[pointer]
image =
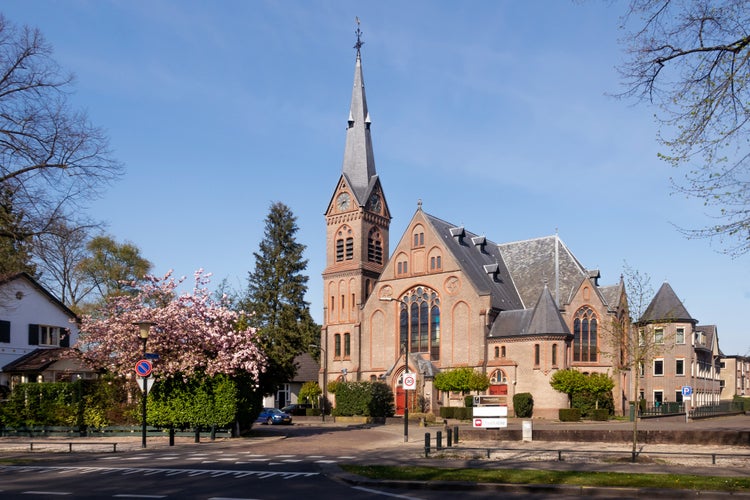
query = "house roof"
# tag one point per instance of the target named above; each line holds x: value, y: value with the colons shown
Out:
x: 37, y: 360
x: 666, y: 307
x: 307, y: 368
x: 481, y: 261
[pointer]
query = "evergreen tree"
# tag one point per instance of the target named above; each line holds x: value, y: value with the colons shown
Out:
x: 15, y: 244
x: 276, y: 298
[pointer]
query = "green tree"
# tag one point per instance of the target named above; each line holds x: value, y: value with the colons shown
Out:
x: 568, y: 381
x: 275, y: 298
x: 15, y: 245
x: 692, y: 61
x: 112, y: 268
x: 463, y: 380
x: 310, y: 392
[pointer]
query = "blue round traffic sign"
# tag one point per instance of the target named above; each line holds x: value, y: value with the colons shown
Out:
x: 143, y: 368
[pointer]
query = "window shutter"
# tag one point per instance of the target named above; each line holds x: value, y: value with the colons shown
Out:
x: 5, y: 331
x: 33, y: 334
x: 64, y: 337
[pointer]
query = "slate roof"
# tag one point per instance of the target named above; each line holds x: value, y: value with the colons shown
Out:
x: 482, y: 262
x: 532, y: 262
x: 666, y: 307
x: 543, y: 319
x: 307, y: 368
x: 359, y: 159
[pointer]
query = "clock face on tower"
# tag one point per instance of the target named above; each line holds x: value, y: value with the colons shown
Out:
x: 375, y: 204
x: 342, y: 201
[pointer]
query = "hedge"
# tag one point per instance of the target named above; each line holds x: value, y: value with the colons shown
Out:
x: 569, y: 414
x: 457, y: 412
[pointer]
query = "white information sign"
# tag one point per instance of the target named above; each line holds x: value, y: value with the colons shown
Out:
x: 490, y: 411
x: 490, y: 422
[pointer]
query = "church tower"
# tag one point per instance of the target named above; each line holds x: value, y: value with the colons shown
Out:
x: 357, y: 221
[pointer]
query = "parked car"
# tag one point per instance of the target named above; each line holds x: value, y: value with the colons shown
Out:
x: 296, y: 408
x: 274, y: 416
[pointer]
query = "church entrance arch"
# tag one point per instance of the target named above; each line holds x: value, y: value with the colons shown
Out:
x: 499, y: 383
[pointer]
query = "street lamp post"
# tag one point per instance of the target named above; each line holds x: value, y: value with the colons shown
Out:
x: 325, y: 381
x: 406, y: 370
x: 143, y: 331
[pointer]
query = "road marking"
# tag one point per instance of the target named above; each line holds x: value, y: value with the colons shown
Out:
x: 54, y: 493
x: 383, y: 493
x: 128, y: 471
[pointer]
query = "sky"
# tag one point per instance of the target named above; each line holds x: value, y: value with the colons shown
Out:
x: 497, y: 115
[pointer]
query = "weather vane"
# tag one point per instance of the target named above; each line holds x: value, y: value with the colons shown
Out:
x: 358, y: 32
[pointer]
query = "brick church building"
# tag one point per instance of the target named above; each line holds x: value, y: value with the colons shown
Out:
x: 515, y: 311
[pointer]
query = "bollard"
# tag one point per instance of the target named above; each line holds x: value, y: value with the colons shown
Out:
x: 213, y: 432
x: 197, y: 434
x: 449, y: 437
x: 455, y: 434
x: 171, y: 436
x: 426, y: 444
x: 439, y: 440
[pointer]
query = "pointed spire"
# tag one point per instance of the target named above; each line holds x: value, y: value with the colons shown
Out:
x: 666, y: 307
x: 359, y: 161
x: 546, y: 318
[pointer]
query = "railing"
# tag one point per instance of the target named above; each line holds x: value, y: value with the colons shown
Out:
x: 723, y: 408
x: 560, y: 454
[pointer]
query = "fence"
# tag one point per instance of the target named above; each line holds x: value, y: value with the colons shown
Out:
x: 559, y: 455
x: 671, y: 409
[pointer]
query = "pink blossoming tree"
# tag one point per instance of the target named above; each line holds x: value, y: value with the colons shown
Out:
x: 192, y: 332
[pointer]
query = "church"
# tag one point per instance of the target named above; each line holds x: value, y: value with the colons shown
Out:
x: 445, y: 297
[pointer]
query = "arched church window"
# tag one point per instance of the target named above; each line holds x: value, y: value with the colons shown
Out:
x: 344, y: 244
x: 419, y: 321
x: 498, y: 377
x: 375, y: 246
x: 585, y: 335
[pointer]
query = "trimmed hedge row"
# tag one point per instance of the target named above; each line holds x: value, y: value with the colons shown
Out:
x: 456, y: 412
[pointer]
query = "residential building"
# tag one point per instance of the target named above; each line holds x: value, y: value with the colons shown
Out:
x: 682, y: 353
x: 735, y: 376
x: 36, y: 331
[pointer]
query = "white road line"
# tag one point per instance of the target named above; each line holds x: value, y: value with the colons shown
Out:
x: 383, y: 493
x: 55, y: 493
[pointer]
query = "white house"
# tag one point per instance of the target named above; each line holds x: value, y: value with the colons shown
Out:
x: 34, y: 322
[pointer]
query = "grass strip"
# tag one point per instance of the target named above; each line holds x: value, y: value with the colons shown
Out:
x: 512, y: 476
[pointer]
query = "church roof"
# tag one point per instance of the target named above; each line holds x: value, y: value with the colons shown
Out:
x: 532, y: 262
x: 666, y: 307
x: 543, y: 319
x: 481, y: 261
x: 359, y: 160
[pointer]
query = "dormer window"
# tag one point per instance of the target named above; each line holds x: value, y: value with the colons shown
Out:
x: 479, y: 242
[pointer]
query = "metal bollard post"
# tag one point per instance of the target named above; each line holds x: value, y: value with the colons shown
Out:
x: 449, y: 437
x: 426, y: 444
x: 439, y: 439
x: 171, y: 436
x: 213, y: 432
x: 455, y: 434
x: 197, y: 434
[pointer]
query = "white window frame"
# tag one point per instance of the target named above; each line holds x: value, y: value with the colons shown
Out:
x: 680, y: 330
x: 661, y: 360
x: 659, y: 336
x: 49, y: 335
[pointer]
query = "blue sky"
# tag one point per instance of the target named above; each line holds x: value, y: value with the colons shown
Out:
x: 496, y: 114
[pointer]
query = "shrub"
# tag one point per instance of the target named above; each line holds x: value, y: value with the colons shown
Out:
x: 456, y: 412
x: 600, y: 415
x: 310, y: 392
x: 468, y: 401
x: 587, y: 402
x: 523, y: 403
x: 369, y: 399
x: 569, y: 414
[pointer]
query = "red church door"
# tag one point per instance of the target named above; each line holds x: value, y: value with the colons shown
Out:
x: 499, y: 389
x: 400, y: 400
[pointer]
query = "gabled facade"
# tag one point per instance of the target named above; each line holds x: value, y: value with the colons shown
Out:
x: 684, y: 354
x: 31, y: 320
x: 515, y: 311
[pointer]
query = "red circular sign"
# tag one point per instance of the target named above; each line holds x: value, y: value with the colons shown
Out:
x: 143, y: 368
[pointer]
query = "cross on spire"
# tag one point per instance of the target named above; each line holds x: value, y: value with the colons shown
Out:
x: 358, y: 32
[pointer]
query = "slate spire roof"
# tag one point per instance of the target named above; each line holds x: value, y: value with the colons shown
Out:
x: 359, y: 160
x: 665, y: 306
